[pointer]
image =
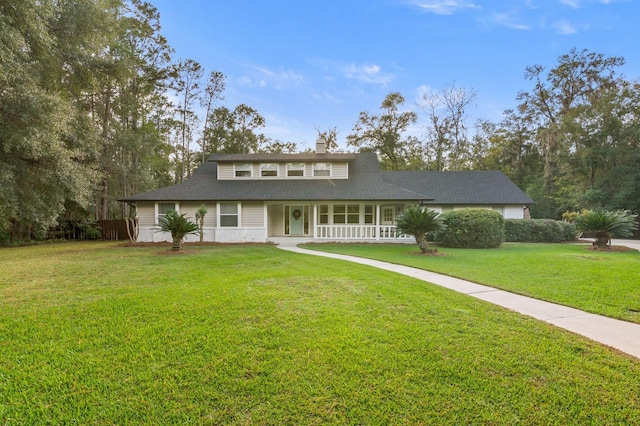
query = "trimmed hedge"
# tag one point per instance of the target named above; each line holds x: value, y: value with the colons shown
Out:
x: 538, y: 231
x: 472, y: 228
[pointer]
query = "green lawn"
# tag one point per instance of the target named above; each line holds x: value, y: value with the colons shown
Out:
x: 94, y: 333
x: 605, y: 283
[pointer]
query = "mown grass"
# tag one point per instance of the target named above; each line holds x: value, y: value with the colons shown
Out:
x: 94, y: 333
x: 605, y: 283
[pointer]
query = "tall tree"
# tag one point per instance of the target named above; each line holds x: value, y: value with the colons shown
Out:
x: 188, y: 74
x: 235, y: 131
x: 579, y: 79
x: 448, y: 140
x: 212, y: 92
x: 46, y: 161
x: 330, y: 136
x: 383, y: 132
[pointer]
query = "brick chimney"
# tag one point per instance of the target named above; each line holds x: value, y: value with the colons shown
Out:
x: 321, y: 146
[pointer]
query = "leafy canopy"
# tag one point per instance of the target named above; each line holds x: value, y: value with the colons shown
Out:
x: 178, y: 225
x: 607, y: 224
x: 417, y: 221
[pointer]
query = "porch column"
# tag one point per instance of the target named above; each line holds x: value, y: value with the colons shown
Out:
x: 266, y: 220
x: 377, y: 221
x: 315, y: 215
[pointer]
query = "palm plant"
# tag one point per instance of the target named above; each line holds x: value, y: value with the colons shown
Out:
x: 200, y: 214
x: 179, y: 227
x: 606, y: 225
x: 417, y: 221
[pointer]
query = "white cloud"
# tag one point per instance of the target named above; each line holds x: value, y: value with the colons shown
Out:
x: 372, y: 74
x: 443, y: 7
x: 251, y: 82
x: 574, y: 4
x: 263, y: 77
x: 510, y: 21
x: 564, y: 27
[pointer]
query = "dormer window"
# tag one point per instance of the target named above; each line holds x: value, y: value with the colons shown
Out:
x: 322, y: 169
x: 269, y: 169
x: 295, y: 169
x: 242, y: 169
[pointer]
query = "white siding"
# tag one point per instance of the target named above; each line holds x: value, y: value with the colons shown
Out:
x: 340, y: 170
x: 146, y: 213
x: 252, y: 215
x: 225, y: 171
x: 513, y: 212
x: 190, y: 209
x: 275, y: 225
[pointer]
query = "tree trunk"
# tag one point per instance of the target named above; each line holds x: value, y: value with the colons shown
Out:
x: 177, y: 244
x: 421, y: 239
x: 602, y: 240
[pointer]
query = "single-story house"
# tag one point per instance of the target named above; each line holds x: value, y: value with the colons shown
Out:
x: 319, y: 195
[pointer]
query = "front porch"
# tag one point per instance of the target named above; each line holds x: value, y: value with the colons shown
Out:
x: 349, y: 221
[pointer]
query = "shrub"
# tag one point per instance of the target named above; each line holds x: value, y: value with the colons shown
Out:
x: 418, y: 221
x: 91, y: 229
x: 472, y: 228
x: 538, y: 231
x: 607, y: 225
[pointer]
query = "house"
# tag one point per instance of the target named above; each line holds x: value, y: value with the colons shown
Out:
x: 320, y: 196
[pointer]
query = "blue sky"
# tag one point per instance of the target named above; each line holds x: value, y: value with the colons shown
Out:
x: 304, y: 64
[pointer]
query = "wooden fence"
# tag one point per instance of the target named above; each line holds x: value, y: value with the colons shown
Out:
x: 106, y: 230
x: 113, y: 230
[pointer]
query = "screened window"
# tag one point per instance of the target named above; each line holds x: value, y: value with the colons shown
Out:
x: 339, y: 213
x: 295, y: 169
x: 229, y: 214
x: 388, y: 215
x: 322, y: 169
x: 353, y: 213
x: 369, y: 214
x: 242, y: 169
x: 323, y: 214
x: 268, y: 169
x: 163, y: 208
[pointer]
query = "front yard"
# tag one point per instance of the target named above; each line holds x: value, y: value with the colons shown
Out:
x: 600, y: 282
x: 96, y: 333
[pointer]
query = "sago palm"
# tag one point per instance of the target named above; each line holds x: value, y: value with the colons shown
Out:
x: 179, y: 227
x: 417, y: 221
x: 607, y: 224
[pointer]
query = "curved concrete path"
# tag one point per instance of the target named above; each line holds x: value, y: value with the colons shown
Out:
x: 621, y: 335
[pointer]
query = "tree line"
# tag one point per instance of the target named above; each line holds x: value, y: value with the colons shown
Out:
x: 95, y: 107
x: 571, y: 142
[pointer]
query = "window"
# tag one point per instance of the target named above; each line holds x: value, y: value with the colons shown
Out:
x: 268, y: 169
x: 242, y: 169
x: 323, y: 214
x: 369, y: 214
x: 339, y: 215
x: 163, y: 208
x: 346, y: 213
x: 229, y: 214
x: 322, y: 169
x: 295, y: 169
x: 353, y: 213
x: 388, y: 215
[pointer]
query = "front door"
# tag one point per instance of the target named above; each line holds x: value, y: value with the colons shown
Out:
x: 296, y: 220
x: 388, y: 216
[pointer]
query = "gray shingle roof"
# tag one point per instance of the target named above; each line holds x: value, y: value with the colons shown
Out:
x: 463, y: 187
x: 366, y: 183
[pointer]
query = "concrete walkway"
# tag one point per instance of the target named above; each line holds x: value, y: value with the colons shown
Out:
x: 621, y: 335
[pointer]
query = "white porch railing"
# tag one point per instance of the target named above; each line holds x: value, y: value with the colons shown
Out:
x: 359, y: 232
